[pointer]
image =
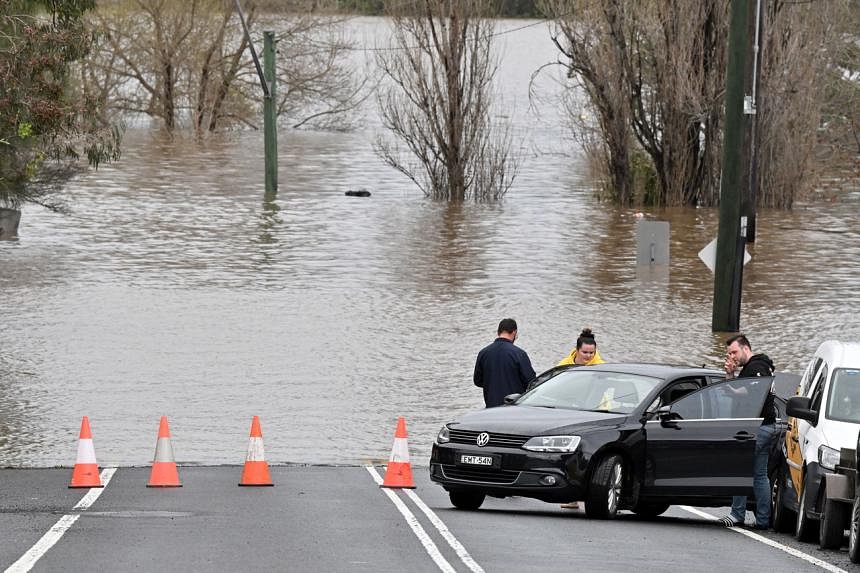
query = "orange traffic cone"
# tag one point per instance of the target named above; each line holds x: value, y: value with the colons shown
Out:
x: 86, y: 472
x: 164, y: 473
x: 256, y: 470
x: 399, y: 471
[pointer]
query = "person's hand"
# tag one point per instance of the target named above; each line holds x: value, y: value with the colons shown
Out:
x: 730, y: 367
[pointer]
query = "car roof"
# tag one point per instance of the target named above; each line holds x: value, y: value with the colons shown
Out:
x: 655, y: 369
x: 839, y: 354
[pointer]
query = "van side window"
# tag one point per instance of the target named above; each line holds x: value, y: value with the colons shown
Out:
x: 809, y: 376
x: 818, y: 390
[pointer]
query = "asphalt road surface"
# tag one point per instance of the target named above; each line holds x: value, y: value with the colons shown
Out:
x: 338, y: 519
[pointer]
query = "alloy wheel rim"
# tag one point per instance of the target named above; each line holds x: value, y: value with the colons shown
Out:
x: 615, y: 487
x: 801, y: 510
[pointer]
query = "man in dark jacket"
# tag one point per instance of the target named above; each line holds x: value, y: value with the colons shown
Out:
x: 501, y: 367
x: 739, y: 355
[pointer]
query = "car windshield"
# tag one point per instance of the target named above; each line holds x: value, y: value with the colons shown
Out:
x: 843, y: 404
x: 587, y: 389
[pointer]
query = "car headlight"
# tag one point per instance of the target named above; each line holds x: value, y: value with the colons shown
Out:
x: 443, y: 437
x: 828, y: 458
x: 552, y: 444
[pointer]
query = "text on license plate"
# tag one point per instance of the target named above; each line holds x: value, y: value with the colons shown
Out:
x: 477, y: 460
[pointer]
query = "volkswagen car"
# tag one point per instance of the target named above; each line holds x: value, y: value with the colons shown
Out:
x: 616, y: 436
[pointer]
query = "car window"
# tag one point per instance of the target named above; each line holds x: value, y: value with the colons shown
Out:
x: 809, y: 376
x: 588, y: 389
x: 843, y: 400
x: 818, y: 387
x: 740, y: 398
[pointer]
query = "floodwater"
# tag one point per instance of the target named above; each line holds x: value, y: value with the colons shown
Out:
x: 175, y: 289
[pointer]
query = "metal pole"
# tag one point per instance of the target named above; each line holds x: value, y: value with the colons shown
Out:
x: 750, y: 200
x: 730, y: 242
x: 270, y: 123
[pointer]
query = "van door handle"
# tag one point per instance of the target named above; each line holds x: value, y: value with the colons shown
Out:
x: 744, y: 436
x: 795, y: 440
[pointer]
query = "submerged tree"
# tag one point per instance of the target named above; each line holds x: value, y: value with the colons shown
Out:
x: 45, y: 124
x: 436, y: 101
x: 186, y: 63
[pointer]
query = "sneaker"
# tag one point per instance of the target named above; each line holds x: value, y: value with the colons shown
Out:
x: 571, y: 505
x: 728, y: 521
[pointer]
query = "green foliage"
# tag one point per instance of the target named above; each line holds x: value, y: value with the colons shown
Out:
x: 45, y: 123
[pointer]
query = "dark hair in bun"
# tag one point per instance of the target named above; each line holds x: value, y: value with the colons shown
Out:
x: 586, y: 337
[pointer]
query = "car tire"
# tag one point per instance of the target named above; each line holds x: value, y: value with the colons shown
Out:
x: 804, y: 529
x: 466, y: 499
x: 854, y: 534
x: 831, y: 526
x: 781, y: 517
x: 650, y: 510
x: 604, y: 491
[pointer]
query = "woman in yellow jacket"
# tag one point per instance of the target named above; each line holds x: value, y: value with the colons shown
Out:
x: 585, y: 353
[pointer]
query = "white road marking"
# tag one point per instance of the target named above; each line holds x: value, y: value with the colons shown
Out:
x: 446, y: 533
x: 419, y: 532
x: 760, y: 538
x: 29, y: 559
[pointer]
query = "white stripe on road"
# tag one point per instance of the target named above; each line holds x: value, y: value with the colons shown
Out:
x: 419, y: 532
x: 446, y: 533
x: 790, y: 550
x: 29, y: 559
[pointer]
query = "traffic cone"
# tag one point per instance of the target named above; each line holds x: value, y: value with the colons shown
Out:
x: 164, y: 473
x: 256, y: 470
x: 86, y: 472
x: 399, y: 471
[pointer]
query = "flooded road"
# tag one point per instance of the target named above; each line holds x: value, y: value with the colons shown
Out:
x: 173, y: 288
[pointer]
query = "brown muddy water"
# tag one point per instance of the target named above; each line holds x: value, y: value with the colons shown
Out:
x: 173, y: 288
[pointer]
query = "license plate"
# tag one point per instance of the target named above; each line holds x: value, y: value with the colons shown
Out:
x: 477, y: 460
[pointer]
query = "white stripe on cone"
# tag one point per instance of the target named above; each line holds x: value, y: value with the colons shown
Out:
x: 163, y: 450
x: 399, y: 451
x: 86, y: 451
x: 255, y: 451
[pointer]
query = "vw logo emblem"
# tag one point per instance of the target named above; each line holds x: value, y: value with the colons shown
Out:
x: 483, y: 439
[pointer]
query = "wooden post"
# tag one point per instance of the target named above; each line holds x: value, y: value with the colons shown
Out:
x: 730, y: 242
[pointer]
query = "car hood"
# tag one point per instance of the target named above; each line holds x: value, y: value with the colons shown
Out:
x: 532, y: 421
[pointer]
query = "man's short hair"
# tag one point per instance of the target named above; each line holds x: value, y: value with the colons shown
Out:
x: 507, y: 325
x: 740, y: 339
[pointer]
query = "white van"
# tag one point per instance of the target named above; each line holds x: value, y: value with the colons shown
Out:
x: 825, y: 417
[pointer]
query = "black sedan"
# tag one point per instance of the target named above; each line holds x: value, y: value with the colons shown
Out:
x: 616, y: 436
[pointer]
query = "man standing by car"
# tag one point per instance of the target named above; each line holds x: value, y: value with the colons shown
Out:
x: 501, y: 367
x: 739, y: 355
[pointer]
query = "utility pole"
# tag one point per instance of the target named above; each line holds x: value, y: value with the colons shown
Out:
x: 752, y: 73
x: 270, y: 124
x: 728, y: 275
x: 267, y: 83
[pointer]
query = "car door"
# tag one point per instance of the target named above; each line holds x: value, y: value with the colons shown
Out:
x: 704, y: 444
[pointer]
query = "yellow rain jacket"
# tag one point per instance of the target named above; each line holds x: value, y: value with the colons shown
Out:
x: 569, y: 359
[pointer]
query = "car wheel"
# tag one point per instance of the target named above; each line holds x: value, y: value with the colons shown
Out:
x: 831, y: 526
x: 466, y: 499
x: 604, y: 491
x: 781, y: 516
x: 804, y: 529
x: 650, y: 510
x: 854, y: 534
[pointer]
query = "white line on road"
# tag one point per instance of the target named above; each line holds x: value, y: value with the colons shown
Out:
x: 29, y: 559
x: 419, y: 532
x: 790, y: 550
x: 446, y: 533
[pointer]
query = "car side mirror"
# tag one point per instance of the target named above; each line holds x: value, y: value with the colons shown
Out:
x: 801, y: 407
x: 511, y: 398
x: 667, y: 417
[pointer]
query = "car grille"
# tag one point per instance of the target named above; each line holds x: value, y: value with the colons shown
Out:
x: 500, y: 440
x: 482, y: 475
